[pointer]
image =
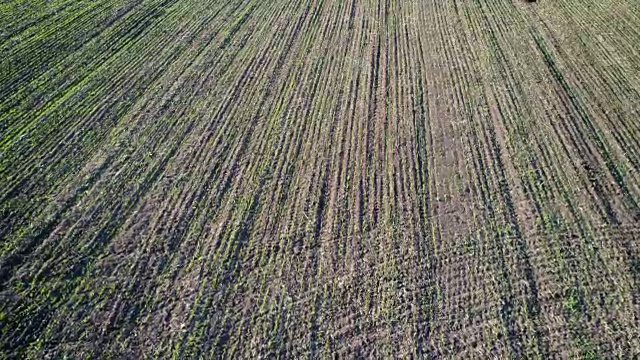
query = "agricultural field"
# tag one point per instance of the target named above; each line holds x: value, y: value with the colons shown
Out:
x: 315, y: 178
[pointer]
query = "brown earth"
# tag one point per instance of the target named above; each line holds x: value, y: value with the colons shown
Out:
x: 251, y: 179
